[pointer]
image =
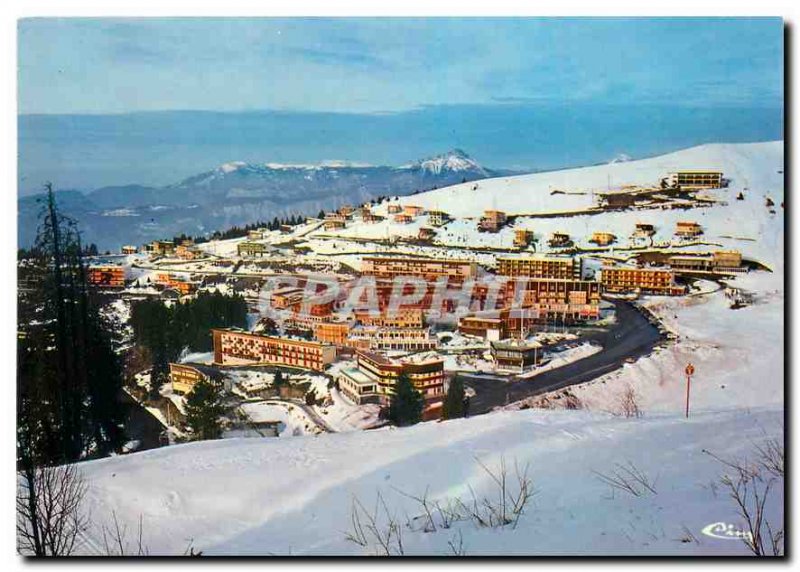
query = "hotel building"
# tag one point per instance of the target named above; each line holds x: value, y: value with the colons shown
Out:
x: 633, y: 279
x: 695, y: 179
x: 232, y: 347
x: 428, y: 268
x: 106, y: 276
x: 567, y: 267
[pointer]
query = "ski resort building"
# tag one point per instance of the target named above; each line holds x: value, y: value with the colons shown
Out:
x: 566, y: 267
x: 428, y: 268
x: 438, y: 218
x: 426, y: 233
x: 516, y: 356
x: 252, y: 249
x: 522, y: 237
x: 377, y: 375
x: 688, y: 229
x: 562, y: 299
x: 559, y: 239
x: 695, y: 179
x: 402, y: 318
x: 234, y: 347
x: 643, y: 230
x: 630, y: 279
x: 160, y: 247
x: 106, y: 276
x: 492, y: 221
x: 413, y: 210
x: 602, y: 238
x: 184, y: 377
x: 394, y: 339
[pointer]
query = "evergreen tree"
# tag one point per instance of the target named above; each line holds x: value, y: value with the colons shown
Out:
x: 204, y: 409
x: 321, y: 214
x: 68, y: 373
x: 277, y: 380
x: 407, y: 403
x: 454, y: 402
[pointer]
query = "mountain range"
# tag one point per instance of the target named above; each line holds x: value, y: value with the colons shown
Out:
x: 238, y: 193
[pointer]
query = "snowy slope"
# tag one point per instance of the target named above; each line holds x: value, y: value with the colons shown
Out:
x: 294, y: 496
x: 751, y: 165
x: 755, y: 169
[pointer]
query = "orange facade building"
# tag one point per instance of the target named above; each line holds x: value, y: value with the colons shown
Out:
x: 232, y: 347
x: 631, y: 279
x: 106, y: 276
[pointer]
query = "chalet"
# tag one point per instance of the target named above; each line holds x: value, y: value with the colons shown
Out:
x: 522, y: 237
x: 438, y: 218
x: 602, y: 238
x: 688, y: 229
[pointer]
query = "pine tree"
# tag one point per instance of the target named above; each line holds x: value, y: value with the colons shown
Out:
x: 68, y: 373
x: 407, y: 403
x: 454, y: 402
x: 203, y: 410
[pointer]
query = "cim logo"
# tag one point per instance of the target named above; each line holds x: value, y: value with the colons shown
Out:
x: 724, y: 531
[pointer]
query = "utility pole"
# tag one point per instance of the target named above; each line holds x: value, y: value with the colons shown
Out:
x: 689, y: 373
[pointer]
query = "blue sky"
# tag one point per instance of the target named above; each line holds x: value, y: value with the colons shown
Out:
x: 386, y: 65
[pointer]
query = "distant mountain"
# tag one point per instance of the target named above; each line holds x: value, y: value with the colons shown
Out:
x: 238, y: 193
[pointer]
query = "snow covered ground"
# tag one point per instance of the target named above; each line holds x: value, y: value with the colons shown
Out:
x: 294, y: 496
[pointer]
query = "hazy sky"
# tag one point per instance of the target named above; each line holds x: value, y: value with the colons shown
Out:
x: 372, y: 65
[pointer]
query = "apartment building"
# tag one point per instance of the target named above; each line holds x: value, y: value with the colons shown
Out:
x: 252, y: 249
x: 184, y: 377
x: 106, y: 276
x: 695, y: 179
x: 394, y: 208
x: 428, y: 268
x: 403, y: 318
x: 425, y: 371
x: 395, y: 339
x: 234, y: 347
x: 541, y: 266
x: 556, y: 300
x: 332, y: 332
x: 633, y: 279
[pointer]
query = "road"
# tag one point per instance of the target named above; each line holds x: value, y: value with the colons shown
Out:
x: 632, y: 336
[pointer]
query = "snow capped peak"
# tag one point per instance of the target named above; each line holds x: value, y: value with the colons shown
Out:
x: 231, y: 167
x: 455, y: 160
x: 621, y: 158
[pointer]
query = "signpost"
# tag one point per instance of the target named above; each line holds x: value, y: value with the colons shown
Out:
x: 689, y: 373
